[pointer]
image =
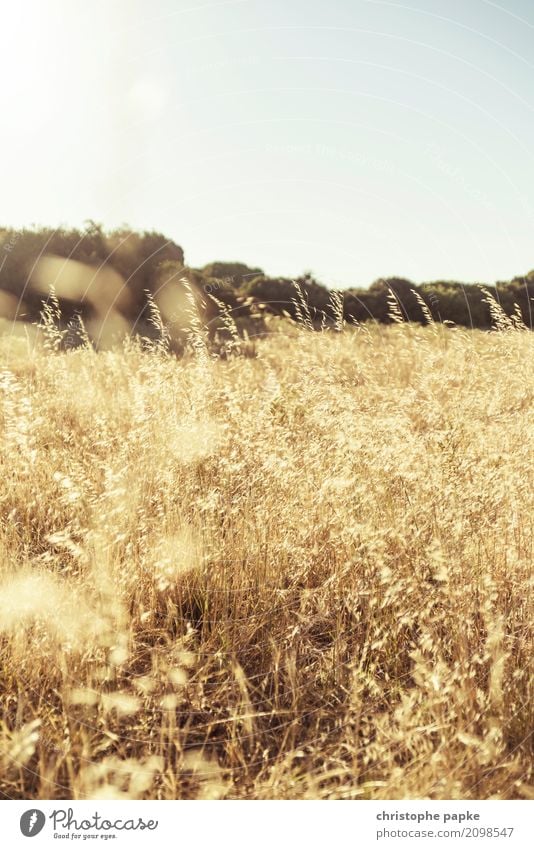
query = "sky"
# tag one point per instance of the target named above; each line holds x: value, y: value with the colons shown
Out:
x: 355, y: 139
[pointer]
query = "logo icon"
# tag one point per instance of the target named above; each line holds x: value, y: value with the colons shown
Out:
x: 32, y: 822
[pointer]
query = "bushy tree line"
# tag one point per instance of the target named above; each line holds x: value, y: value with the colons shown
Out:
x: 463, y: 304
x: 148, y: 262
x: 136, y: 257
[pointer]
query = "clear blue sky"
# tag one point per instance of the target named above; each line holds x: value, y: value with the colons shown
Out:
x: 354, y: 138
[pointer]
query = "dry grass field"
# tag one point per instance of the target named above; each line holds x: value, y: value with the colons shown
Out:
x: 300, y: 574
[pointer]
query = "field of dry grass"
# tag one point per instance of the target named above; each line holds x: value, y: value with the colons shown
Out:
x: 304, y: 574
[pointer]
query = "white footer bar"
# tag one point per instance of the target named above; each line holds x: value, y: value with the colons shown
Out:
x: 267, y: 825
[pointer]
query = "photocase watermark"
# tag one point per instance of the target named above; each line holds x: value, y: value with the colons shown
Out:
x: 455, y: 174
x: 9, y: 245
x: 324, y: 151
x: 66, y: 826
x: 72, y: 335
x: 32, y: 822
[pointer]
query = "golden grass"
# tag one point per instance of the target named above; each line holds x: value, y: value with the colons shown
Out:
x: 300, y: 575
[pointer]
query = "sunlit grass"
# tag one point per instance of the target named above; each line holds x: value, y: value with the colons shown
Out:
x: 305, y: 574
